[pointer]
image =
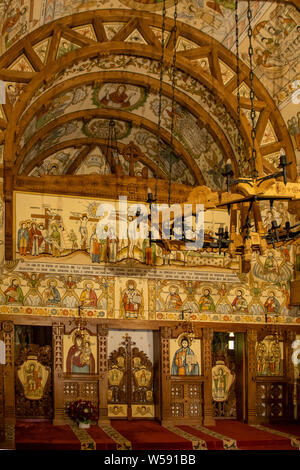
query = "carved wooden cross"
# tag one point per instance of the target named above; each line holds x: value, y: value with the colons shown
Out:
x: 128, y: 343
x: 132, y: 154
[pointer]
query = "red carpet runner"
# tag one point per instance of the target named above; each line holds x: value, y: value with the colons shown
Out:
x: 250, y: 438
x: 44, y: 436
x: 150, y: 435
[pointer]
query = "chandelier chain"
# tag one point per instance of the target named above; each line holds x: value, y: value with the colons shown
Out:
x: 252, y: 93
x: 161, y: 66
x: 173, y: 98
x: 239, y: 137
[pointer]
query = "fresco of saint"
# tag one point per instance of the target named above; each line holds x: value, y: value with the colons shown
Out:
x: 132, y: 300
x: 33, y: 377
x: 14, y: 293
x: 185, y: 362
x: 51, y: 294
x: 88, y: 297
x: 206, y: 301
x: 80, y: 358
x: 23, y: 239
x: 239, y: 304
x: 271, y: 304
x: 173, y: 301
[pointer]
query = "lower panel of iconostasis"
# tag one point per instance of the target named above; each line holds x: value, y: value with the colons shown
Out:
x: 169, y: 374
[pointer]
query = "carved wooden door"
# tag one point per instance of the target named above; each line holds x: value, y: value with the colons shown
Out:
x: 33, y: 381
x: 130, y: 383
x: 228, y: 377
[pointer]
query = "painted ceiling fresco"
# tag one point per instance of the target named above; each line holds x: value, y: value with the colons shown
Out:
x: 275, y: 30
x: 42, y: 146
x: 194, y: 137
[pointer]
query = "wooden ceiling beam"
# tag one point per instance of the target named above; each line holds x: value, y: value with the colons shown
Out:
x: 57, y: 32
x: 103, y: 186
x: 76, y: 38
x: 16, y: 76
x: 31, y: 55
x: 79, y: 159
x: 99, y: 30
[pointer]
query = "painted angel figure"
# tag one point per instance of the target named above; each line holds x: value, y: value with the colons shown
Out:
x: 70, y: 298
x: 33, y: 296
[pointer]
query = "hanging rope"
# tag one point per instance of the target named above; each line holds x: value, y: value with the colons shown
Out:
x: 252, y: 94
x: 163, y: 28
x: 173, y: 99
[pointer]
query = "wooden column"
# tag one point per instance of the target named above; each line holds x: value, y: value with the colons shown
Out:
x: 2, y: 425
x: 8, y: 198
x: 157, y: 376
x: 58, y: 330
x: 102, y: 372
x: 7, y: 329
x: 240, y: 386
x: 289, y: 371
x: 251, y: 376
x: 165, y: 335
x: 207, y: 369
x: 298, y: 397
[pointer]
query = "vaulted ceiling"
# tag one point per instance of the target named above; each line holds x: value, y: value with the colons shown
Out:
x: 68, y: 78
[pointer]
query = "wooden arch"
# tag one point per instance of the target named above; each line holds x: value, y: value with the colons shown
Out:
x: 125, y: 77
x: 43, y: 73
x: 142, y: 22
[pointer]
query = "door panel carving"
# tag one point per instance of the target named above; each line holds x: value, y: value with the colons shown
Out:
x: 186, y: 397
x: 33, y: 381
x: 130, y: 382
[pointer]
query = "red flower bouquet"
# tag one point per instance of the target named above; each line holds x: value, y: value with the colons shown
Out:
x: 82, y: 411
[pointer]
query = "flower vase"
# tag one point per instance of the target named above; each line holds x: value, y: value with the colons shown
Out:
x: 84, y: 425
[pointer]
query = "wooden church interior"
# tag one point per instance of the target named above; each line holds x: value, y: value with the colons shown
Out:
x: 122, y: 117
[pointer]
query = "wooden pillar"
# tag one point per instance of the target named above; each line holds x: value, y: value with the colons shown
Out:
x: 298, y: 397
x: 8, y: 198
x: 157, y: 376
x: 240, y: 386
x: 207, y: 365
x: 103, y: 374
x: 289, y: 371
x: 58, y: 330
x: 2, y: 424
x: 165, y: 335
x: 7, y: 329
x: 251, y: 376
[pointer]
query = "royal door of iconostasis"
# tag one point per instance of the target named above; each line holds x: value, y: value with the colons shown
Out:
x: 33, y: 372
x: 131, y: 376
x: 228, y: 375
